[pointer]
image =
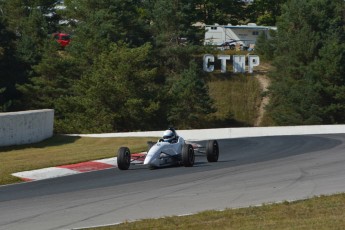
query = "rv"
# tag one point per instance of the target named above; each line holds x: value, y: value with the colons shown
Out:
x: 230, y: 36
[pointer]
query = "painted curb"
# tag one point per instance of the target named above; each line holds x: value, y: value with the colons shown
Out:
x: 66, y: 170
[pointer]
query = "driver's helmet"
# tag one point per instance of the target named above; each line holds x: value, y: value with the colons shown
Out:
x: 168, y: 136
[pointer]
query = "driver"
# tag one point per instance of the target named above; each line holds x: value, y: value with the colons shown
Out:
x: 170, y: 136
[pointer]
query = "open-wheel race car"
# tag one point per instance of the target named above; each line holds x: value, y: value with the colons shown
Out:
x: 171, y: 150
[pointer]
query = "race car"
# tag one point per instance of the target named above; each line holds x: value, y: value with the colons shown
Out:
x: 164, y: 154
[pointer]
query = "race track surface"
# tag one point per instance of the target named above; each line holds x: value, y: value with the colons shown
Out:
x: 250, y: 171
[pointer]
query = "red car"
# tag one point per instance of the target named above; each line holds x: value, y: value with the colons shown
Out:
x: 62, y: 39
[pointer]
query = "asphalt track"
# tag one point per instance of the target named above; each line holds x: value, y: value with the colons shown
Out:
x: 250, y: 171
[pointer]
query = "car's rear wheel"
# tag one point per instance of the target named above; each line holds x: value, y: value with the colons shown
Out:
x: 123, y: 158
x: 212, y: 151
x: 188, y: 155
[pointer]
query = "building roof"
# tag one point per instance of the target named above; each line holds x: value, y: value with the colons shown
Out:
x: 250, y: 26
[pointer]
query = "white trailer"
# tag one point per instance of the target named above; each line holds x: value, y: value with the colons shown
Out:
x: 231, y: 36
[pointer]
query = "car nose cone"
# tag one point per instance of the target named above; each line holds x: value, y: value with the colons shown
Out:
x: 147, y: 159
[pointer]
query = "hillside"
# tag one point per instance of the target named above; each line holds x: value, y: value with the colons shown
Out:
x: 239, y: 98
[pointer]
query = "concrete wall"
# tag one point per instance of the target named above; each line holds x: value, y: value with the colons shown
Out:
x: 225, y: 133
x: 26, y: 127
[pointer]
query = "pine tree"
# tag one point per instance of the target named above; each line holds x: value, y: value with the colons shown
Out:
x: 308, y: 83
x: 118, y: 94
x: 189, y: 99
x: 6, y: 58
x: 265, y: 45
x: 26, y: 21
x: 100, y: 23
x: 265, y: 12
x: 220, y: 11
x: 172, y: 22
x: 52, y: 79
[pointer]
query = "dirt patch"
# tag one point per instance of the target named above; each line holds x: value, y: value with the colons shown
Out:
x: 264, y: 83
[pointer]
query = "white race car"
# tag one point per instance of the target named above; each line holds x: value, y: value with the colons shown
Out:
x: 163, y: 154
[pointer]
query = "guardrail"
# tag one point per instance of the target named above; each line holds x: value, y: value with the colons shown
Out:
x: 225, y: 133
x: 36, y: 125
x: 26, y: 127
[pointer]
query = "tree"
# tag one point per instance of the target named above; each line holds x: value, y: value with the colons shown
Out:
x: 28, y: 20
x: 101, y: 23
x: 33, y: 34
x: 26, y: 23
x: 52, y: 79
x: 189, y: 99
x: 119, y: 91
x: 220, y: 11
x: 308, y: 83
x: 172, y: 21
x: 110, y: 20
x: 265, y: 45
x: 265, y: 12
x: 10, y: 70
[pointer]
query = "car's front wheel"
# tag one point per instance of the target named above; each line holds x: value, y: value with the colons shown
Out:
x: 188, y: 155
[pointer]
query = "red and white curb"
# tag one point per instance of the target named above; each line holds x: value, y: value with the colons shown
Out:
x: 65, y: 170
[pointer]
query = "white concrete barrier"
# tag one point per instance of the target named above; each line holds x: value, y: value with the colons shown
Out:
x: 225, y: 133
x: 26, y: 127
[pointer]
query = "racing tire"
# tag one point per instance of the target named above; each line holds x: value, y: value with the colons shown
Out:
x: 212, y: 151
x: 123, y: 158
x: 188, y: 156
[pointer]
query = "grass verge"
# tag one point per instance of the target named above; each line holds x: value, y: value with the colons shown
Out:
x: 325, y: 212
x: 61, y: 150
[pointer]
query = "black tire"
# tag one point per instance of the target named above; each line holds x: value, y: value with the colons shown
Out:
x: 123, y: 158
x: 188, y: 155
x: 212, y: 151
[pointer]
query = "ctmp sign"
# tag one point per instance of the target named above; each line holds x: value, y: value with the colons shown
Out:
x: 239, y: 63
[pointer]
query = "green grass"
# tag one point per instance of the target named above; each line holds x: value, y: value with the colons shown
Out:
x: 237, y: 99
x: 61, y: 150
x: 326, y: 212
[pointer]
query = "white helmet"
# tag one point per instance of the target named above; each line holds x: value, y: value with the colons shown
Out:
x: 168, y: 135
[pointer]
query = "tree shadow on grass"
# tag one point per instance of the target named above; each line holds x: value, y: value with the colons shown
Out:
x: 55, y: 140
x: 224, y: 122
